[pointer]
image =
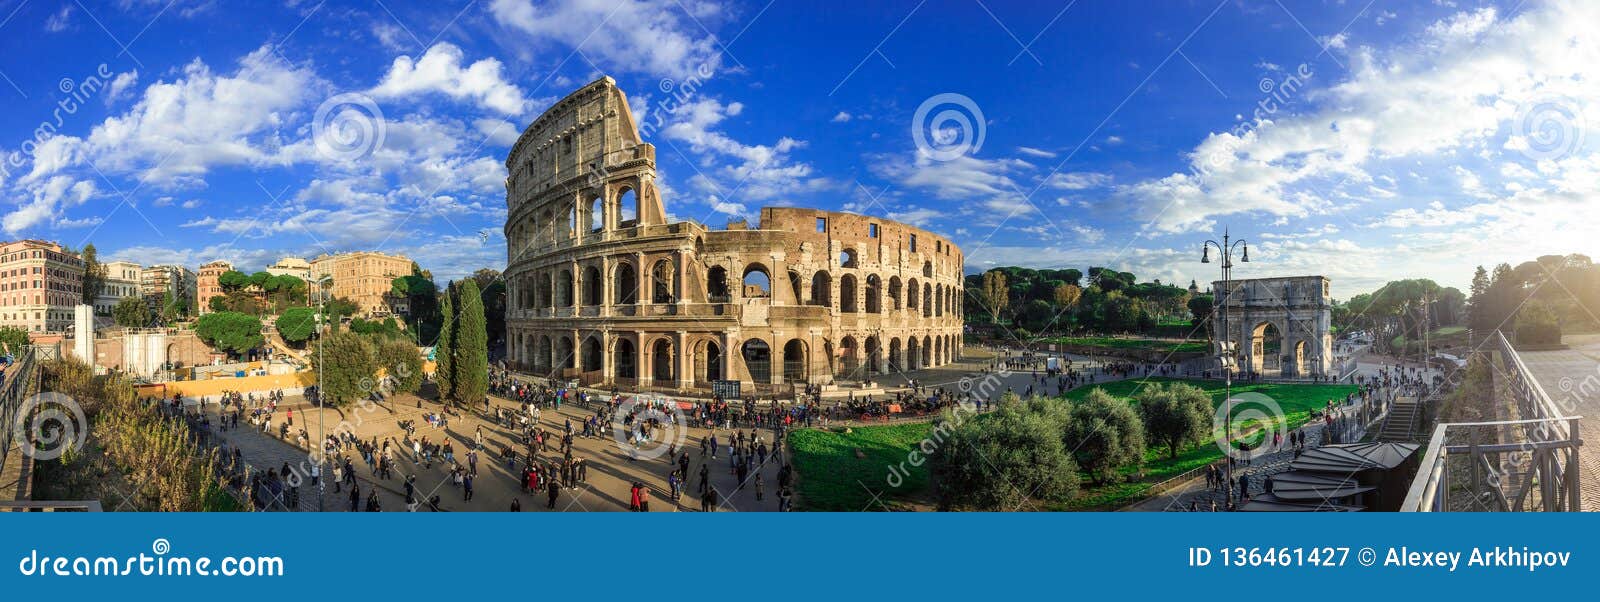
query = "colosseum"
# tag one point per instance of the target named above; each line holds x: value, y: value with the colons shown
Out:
x: 605, y: 288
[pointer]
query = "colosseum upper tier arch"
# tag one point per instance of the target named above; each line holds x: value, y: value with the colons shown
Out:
x: 603, y: 287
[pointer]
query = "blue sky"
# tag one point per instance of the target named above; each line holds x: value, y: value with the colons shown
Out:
x: 1362, y: 140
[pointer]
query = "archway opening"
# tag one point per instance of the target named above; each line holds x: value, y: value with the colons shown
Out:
x: 662, y: 283
x: 757, y: 282
x: 661, y: 361
x: 847, y: 258
x: 597, y: 215
x: 847, y: 293
x: 627, y: 208
x: 592, y: 286
x: 849, y: 358
x: 563, y: 354
x: 1266, y: 348
x: 758, y: 360
x: 717, y: 284
x: 874, y: 294
x: 710, y: 358
x: 593, y: 355
x: 795, y: 366
x: 627, y: 284
x: 623, y: 358
x: 821, y: 289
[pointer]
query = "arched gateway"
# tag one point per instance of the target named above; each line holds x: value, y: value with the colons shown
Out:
x: 1279, y: 327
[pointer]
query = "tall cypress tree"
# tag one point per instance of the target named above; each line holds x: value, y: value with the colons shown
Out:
x: 471, y: 345
x: 444, y: 348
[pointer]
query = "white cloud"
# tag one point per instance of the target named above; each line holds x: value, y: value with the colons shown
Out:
x: 727, y: 167
x: 841, y: 117
x: 50, y: 198
x: 59, y: 21
x: 657, y: 37
x: 1036, y: 152
x: 1078, y: 180
x: 1451, y: 91
x: 440, y: 71
x: 121, y: 85
x: 179, y: 130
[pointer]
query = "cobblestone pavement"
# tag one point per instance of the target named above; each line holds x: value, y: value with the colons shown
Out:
x: 610, y: 473
x: 1571, y: 377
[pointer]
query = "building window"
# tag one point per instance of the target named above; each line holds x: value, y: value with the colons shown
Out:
x: 913, y: 243
x: 822, y: 224
x: 872, y: 230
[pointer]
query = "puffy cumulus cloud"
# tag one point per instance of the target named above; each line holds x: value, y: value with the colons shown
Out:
x: 179, y: 130
x: 726, y: 167
x: 662, y: 38
x: 441, y: 70
x: 1456, y: 92
x: 961, y: 178
x: 48, y: 200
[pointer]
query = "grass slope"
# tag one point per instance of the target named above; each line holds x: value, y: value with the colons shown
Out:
x: 831, y: 476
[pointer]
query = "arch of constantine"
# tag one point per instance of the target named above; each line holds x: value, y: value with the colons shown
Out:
x: 1279, y: 326
x: 604, y: 288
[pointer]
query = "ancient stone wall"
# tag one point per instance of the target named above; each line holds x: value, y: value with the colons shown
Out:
x: 601, y: 287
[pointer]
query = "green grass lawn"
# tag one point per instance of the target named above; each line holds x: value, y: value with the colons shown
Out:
x: 829, y: 470
x: 1296, y: 401
x: 1147, y: 344
x: 831, y: 476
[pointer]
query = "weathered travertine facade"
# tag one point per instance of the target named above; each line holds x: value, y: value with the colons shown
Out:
x: 601, y: 287
x: 1297, y: 308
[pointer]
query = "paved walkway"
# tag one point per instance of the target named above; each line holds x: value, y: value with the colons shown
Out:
x: 1571, y: 377
x: 609, y: 477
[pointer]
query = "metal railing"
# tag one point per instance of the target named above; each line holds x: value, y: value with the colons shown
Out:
x: 13, y: 392
x: 1529, y: 464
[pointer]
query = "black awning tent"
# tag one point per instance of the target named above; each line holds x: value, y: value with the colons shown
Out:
x: 1271, y: 503
x: 1345, y: 477
x: 1299, y: 486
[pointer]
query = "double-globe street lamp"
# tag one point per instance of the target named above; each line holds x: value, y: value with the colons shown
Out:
x: 1224, y: 344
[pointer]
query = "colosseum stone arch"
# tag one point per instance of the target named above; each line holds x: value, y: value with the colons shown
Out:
x: 1279, y: 326
x: 604, y: 288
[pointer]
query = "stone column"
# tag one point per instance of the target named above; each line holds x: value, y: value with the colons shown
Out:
x: 639, y: 354
x: 683, y: 361
x: 577, y: 291
x: 641, y: 296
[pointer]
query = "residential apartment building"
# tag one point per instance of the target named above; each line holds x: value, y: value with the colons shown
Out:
x: 365, y: 277
x: 206, y: 285
x: 291, y: 266
x: 40, y: 283
x: 123, y: 279
x: 158, y: 280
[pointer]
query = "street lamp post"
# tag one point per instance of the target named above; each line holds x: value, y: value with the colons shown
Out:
x: 1224, y: 347
x: 322, y: 432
